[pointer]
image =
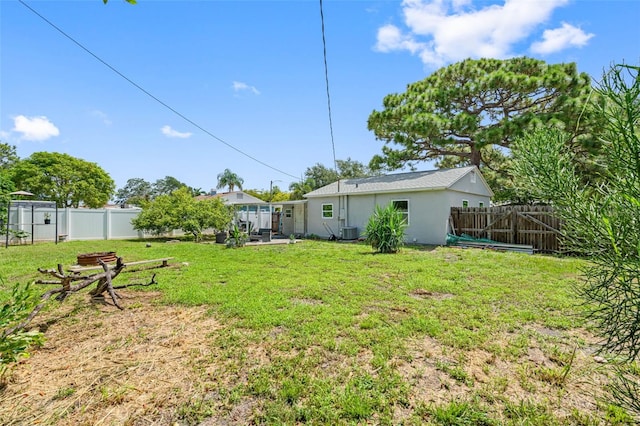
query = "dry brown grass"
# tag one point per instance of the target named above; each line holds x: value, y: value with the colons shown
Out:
x: 100, y: 365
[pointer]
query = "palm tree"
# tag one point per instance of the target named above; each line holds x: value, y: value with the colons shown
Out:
x: 230, y: 179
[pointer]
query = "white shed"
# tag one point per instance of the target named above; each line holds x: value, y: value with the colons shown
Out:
x: 426, y: 198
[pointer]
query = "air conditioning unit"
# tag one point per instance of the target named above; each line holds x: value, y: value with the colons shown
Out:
x: 350, y: 233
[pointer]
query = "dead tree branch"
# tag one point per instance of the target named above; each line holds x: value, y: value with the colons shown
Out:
x: 65, y: 281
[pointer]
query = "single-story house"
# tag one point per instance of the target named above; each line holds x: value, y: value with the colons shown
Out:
x: 343, y: 208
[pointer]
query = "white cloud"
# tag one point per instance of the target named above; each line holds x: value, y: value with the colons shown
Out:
x: 170, y: 133
x: 239, y: 86
x: 390, y: 38
x: 561, y: 38
x: 101, y: 116
x: 34, y: 128
x: 441, y: 31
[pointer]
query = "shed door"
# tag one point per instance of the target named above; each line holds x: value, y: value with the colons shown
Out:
x: 298, y: 219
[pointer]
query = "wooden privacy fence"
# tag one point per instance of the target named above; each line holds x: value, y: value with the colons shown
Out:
x: 532, y: 225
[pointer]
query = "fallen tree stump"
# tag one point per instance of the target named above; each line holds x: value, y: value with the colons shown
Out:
x: 66, y: 285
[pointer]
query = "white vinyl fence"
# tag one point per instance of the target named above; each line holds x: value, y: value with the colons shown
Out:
x: 72, y: 224
x: 93, y: 224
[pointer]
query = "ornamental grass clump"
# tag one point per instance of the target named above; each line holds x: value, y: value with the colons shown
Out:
x: 385, y: 229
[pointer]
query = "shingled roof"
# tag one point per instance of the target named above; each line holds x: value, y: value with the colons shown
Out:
x: 401, y: 182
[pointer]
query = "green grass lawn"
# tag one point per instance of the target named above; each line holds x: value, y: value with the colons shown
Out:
x: 330, y: 333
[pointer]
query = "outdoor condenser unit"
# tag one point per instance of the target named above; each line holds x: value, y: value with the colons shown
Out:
x: 350, y: 233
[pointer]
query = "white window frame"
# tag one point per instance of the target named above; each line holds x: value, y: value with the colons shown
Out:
x: 473, y: 177
x: 465, y: 203
x: 407, y: 213
x: 323, y: 211
x: 481, y: 204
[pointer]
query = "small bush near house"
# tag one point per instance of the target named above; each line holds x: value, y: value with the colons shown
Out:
x: 237, y: 237
x: 385, y: 230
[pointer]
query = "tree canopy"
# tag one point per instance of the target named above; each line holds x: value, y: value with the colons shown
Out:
x: 166, y: 185
x: 8, y: 156
x: 136, y: 191
x: 276, y: 194
x: 470, y: 112
x: 67, y: 180
x: 319, y: 175
x: 180, y: 210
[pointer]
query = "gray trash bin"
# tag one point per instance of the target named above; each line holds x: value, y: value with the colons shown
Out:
x: 266, y: 235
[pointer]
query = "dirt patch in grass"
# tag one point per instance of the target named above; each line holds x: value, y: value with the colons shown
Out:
x: 420, y: 293
x: 306, y: 301
x: 558, y: 373
x: 100, y: 365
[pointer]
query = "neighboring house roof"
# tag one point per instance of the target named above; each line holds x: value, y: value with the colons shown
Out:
x: 234, y: 198
x: 401, y: 182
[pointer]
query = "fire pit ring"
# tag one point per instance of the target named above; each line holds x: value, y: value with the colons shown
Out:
x: 91, y: 259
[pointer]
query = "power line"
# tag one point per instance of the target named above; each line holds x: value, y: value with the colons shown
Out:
x: 137, y: 86
x: 326, y: 79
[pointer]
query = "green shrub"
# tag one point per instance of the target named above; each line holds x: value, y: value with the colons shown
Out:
x: 237, y: 237
x: 385, y: 229
x: 14, y: 343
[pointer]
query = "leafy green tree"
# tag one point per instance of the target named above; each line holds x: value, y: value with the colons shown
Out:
x: 600, y: 221
x: 349, y: 169
x: 385, y: 229
x: 180, y: 210
x: 275, y: 195
x: 229, y: 179
x: 278, y: 195
x: 136, y: 191
x: 166, y: 186
x: 8, y: 156
x: 470, y: 112
x: 67, y: 180
x: 319, y: 175
x: 298, y: 189
x: 6, y: 187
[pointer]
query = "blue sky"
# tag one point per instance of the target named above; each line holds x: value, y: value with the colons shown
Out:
x: 251, y: 73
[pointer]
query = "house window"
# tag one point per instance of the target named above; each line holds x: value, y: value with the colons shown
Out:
x: 327, y: 211
x: 480, y: 204
x: 465, y: 203
x: 473, y: 177
x: 287, y: 213
x: 403, y: 207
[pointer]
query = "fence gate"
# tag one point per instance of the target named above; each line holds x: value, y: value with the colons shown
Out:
x: 533, y: 225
